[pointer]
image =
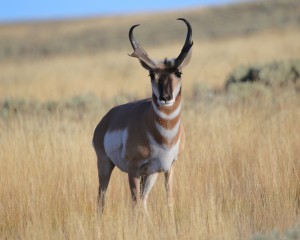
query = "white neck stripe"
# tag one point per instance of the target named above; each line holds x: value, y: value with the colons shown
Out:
x: 168, y: 133
x: 167, y: 116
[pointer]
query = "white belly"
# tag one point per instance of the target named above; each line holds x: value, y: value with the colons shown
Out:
x: 162, y: 157
x: 114, y: 145
x: 160, y: 160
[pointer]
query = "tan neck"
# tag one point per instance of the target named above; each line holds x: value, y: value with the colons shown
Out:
x: 164, y: 122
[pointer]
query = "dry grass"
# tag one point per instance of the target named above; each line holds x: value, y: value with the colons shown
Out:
x: 238, y: 176
x: 111, y: 73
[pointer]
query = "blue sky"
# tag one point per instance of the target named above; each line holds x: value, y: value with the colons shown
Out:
x: 17, y: 10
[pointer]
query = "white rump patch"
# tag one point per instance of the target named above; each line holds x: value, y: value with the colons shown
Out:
x: 115, y: 145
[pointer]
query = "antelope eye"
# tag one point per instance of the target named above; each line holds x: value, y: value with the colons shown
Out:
x: 178, y: 74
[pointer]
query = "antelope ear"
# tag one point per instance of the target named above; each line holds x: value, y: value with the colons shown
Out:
x: 146, y: 66
x: 187, y: 59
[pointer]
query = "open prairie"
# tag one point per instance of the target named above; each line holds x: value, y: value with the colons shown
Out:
x: 239, y: 176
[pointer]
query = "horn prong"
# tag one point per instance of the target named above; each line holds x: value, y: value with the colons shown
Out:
x: 139, y: 52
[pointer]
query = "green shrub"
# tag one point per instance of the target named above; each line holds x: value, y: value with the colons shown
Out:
x: 291, y: 234
x: 270, y: 76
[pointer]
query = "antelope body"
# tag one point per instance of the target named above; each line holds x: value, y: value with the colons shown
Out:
x: 145, y: 137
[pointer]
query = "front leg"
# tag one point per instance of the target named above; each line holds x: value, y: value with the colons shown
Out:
x: 169, y: 189
x: 169, y: 186
x: 147, y: 185
x: 134, y: 183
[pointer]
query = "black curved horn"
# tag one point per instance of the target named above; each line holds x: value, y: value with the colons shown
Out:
x: 187, y: 45
x: 132, y: 40
x: 139, y: 52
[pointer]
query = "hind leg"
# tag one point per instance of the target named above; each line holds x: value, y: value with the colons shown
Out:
x: 105, y: 168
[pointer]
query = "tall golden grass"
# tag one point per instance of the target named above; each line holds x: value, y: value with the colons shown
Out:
x: 238, y: 176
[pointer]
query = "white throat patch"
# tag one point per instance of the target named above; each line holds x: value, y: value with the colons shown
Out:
x: 164, y: 115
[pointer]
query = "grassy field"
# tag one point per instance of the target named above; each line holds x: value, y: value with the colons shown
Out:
x: 239, y: 177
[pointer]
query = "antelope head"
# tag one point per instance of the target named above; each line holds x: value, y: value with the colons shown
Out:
x: 165, y: 75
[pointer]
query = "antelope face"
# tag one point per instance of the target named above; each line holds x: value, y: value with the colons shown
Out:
x: 166, y: 84
x: 166, y: 75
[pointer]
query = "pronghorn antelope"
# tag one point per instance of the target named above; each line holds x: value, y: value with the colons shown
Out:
x: 144, y: 138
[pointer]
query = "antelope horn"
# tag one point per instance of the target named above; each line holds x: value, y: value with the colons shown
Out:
x: 187, y: 45
x: 139, y: 52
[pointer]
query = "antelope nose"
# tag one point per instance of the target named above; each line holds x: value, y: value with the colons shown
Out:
x: 165, y: 98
